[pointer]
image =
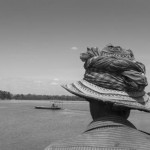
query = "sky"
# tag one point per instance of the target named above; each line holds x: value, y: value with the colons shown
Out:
x: 41, y: 40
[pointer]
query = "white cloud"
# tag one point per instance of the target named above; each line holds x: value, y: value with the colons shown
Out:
x: 74, y: 48
x: 54, y: 83
x: 56, y: 79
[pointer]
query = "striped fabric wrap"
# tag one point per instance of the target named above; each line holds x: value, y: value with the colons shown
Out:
x: 114, y: 68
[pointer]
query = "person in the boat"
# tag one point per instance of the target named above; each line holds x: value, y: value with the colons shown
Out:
x: 113, y: 84
x: 53, y: 105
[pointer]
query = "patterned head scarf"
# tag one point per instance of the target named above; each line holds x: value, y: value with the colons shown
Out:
x: 114, y: 68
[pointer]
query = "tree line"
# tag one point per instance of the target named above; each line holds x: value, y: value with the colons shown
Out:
x: 4, y: 95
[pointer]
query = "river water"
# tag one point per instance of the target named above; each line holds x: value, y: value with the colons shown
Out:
x: 23, y: 127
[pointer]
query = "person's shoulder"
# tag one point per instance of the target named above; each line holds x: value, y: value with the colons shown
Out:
x: 81, y: 141
x: 145, y: 135
x: 133, y: 139
x: 65, y: 144
x: 139, y: 139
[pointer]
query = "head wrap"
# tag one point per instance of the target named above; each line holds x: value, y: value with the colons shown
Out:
x: 114, y: 68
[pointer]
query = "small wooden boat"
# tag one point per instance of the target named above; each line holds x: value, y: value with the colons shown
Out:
x: 52, y: 107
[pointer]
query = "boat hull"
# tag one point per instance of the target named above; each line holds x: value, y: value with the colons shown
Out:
x: 51, y: 108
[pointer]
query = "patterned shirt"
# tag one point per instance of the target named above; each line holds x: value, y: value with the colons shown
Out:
x: 108, y: 133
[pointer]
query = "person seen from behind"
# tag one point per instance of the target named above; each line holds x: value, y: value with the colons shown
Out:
x: 113, y: 84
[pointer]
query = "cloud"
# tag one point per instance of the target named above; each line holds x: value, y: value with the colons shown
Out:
x: 56, y: 79
x: 54, y: 83
x: 74, y: 48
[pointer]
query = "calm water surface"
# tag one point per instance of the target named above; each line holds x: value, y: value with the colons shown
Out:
x: 23, y: 127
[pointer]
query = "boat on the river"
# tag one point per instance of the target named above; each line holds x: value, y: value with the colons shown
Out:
x: 53, y: 106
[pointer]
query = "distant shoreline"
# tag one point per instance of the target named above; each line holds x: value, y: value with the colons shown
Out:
x: 40, y: 100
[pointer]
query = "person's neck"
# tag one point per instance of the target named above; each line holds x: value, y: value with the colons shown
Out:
x: 108, y: 116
